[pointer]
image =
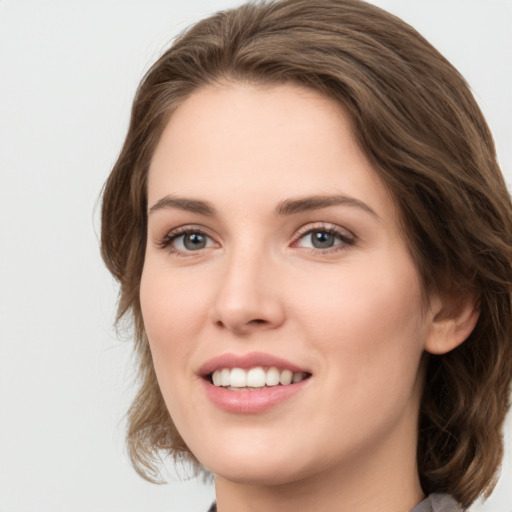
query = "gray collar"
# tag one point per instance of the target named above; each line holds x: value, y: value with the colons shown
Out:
x: 432, y: 503
x: 437, y: 503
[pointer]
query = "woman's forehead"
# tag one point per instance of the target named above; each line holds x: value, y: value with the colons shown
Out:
x: 278, y: 142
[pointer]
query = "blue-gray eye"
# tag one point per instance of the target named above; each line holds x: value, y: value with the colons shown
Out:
x: 322, y: 240
x: 187, y: 241
x: 193, y: 241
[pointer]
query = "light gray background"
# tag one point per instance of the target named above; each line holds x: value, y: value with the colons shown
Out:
x: 68, y: 71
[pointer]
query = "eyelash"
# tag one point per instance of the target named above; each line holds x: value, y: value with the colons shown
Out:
x: 346, y: 238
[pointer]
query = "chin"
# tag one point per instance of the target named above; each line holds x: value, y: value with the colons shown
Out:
x: 255, y: 473
x: 250, y: 464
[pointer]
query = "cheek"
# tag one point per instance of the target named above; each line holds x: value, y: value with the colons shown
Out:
x: 171, y: 315
x: 369, y: 333
x: 172, y: 320
x: 370, y: 320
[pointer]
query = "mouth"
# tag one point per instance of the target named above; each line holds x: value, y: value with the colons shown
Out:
x: 252, y: 383
x: 255, y: 378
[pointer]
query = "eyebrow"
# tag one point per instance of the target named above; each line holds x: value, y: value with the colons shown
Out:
x: 181, y: 203
x: 303, y: 204
x: 286, y: 207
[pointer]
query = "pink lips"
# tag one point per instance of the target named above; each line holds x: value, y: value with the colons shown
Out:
x: 247, y: 361
x: 246, y: 401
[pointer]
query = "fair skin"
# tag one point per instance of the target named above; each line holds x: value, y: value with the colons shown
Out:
x: 234, y: 270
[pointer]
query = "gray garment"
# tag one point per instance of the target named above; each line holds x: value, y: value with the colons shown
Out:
x: 437, y: 503
x: 432, y: 503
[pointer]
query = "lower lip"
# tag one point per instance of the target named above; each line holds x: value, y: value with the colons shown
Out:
x: 251, y: 402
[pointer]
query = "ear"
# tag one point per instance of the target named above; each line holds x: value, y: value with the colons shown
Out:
x: 453, y: 319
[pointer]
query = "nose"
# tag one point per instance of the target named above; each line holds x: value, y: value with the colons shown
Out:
x: 248, y: 297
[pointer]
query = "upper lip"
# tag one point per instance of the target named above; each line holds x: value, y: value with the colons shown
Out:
x: 246, y: 361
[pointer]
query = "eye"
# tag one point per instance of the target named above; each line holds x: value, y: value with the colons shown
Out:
x: 325, y: 238
x: 319, y: 240
x: 186, y: 240
x: 191, y: 241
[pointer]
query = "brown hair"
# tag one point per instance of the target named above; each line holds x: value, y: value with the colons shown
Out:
x: 415, y: 118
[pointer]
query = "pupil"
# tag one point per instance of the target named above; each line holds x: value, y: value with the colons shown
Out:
x: 322, y: 240
x: 194, y: 241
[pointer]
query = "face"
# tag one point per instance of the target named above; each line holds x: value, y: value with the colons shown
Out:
x: 282, y: 307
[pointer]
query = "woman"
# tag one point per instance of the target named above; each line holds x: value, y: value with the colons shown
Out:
x: 313, y: 238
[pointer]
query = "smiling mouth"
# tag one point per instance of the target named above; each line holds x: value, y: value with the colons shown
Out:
x: 257, y: 378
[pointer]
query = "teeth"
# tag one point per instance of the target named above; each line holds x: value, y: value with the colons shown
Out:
x: 238, y: 378
x: 255, y: 377
x: 297, y: 377
x: 225, y: 377
x: 216, y: 378
x: 272, y: 377
x: 286, y: 377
